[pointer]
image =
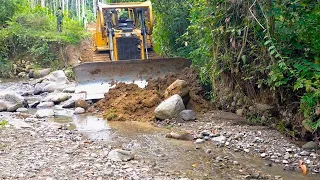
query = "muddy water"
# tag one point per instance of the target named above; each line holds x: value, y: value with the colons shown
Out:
x: 173, y: 156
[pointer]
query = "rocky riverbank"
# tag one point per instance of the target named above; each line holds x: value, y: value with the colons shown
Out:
x: 44, y: 140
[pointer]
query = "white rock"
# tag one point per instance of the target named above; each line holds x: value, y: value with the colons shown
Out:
x: 58, y: 77
x: 22, y: 110
x: 79, y: 110
x: 263, y: 155
x: 170, y: 108
x: 120, y: 155
x: 199, y: 141
x: 44, y: 113
x: 219, y: 139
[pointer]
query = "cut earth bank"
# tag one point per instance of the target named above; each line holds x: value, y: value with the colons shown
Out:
x: 219, y: 145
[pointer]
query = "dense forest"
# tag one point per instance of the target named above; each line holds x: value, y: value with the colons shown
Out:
x: 266, y: 51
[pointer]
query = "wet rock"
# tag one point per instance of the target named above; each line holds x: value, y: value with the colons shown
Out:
x: 180, y: 135
x: 310, y: 145
x: 42, y: 113
x: 22, y: 110
x: 120, y: 155
x: 60, y: 97
x: 169, y: 108
x: 69, y: 89
x: 219, y: 139
x: 45, y: 104
x: 3, y: 106
x: 39, y: 73
x: 82, y: 103
x: 188, y: 115
x: 34, y: 104
x: 179, y: 87
x: 70, y: 103
x: 199, y: 141
x: 79, y: 110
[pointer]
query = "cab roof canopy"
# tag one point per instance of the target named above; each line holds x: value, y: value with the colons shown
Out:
x: 146, y: 4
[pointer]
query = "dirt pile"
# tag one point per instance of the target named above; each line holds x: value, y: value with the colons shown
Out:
x: 191, y: 76
x: 129, y: 102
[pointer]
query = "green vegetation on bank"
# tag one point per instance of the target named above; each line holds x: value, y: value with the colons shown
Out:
x: 32, y: 33
x: 261, y: 46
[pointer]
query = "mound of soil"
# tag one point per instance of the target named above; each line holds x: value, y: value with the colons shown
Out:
x: 197, y: 101
x: 129, y: 102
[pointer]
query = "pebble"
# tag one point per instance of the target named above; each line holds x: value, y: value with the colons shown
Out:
x: 199, y: 141
x: 285, y: 162
x: 305, y: 153
x: 263, y: 155
x: 246, y: 150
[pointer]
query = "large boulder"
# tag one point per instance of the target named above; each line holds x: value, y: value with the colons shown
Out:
x: 58, y: 77
x: 179, y: 87
x: 39, y: 73
x: 13, y: 101
x: 169, y: 108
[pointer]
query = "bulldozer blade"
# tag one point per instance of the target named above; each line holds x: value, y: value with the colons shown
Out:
x: 94, y: 79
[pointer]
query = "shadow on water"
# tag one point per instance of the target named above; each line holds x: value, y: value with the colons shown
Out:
x: 149, y: 143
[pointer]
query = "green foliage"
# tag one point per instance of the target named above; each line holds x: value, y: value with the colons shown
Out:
x: 110, y: 115
x: 268, y: 44
x: 3, y: 123
x: 33, y: 32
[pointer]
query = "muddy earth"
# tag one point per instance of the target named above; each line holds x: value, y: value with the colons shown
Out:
x: 86, y: 146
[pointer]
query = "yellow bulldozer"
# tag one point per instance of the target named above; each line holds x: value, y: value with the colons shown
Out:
x: 124, y: 31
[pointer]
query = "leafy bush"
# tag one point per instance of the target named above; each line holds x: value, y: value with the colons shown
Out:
x: 33, y: 32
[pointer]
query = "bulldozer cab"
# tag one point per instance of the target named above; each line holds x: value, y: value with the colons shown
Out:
x: 124, y: 29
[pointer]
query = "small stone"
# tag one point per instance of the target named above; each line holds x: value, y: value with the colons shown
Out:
x: 289, y: 150
x: 305, y: 153
x: 235, y: 163
x: 246, y: 150
x: 263, y: 155
x: 286, y: 156
x: 199, y: 141
x: 208, y: 151
x: 79, y: 110
x: 285, y: 162
x: 227, y: 143
x: 206, y: 138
